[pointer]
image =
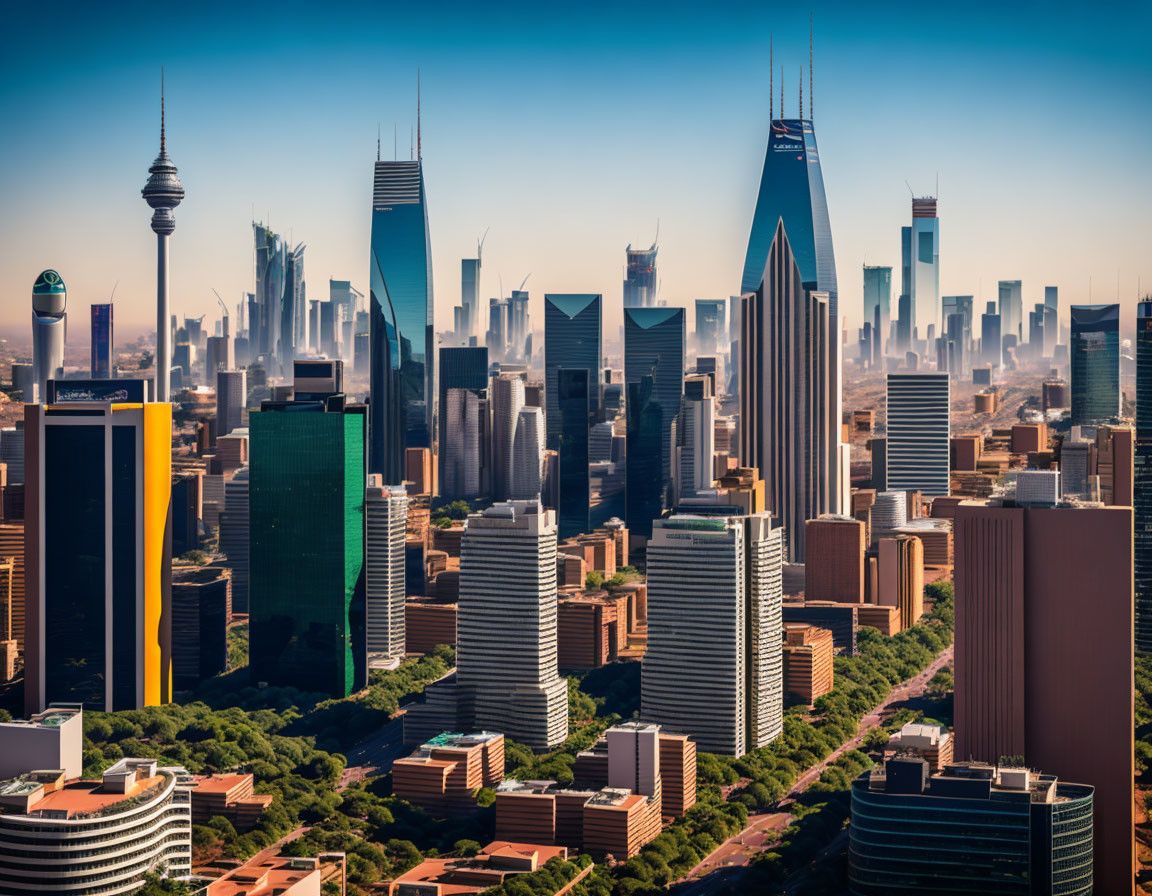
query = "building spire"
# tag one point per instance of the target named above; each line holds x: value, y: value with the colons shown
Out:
x: 419, y: 155
x: 781, y: 91
x: 161, y: 110
x: 811, y: 80
x: 771, y: 95
x: 800, y: 111
x: 377, y: 141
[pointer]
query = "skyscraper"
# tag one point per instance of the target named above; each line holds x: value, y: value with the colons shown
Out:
x: 102, y: 341
x: 711, y: 332
x: 1094, y: 355
x: 506, y: 631
x: 385, y: 519
x: 231, y: 399
x: 572, y: 339
x: 1142, y: 501
x: 461, y: 367
x: 918, y: 432
x: 790, y: 422
x: 507, y: 400
x: 163, y: 192
x: 573, y: 511
x: 654, y: 377
x: 1012, y: 309
x: 640, y: 282
x: 49, y: 323
x: 235, y: 537
x: 1025, y: 683
x: 878, y: 308
x: 924, y: 266
x: 1051, y: 319
x: 98, y: 553
x: 401, y: 309
x: 469, y: 298
x: 528, y: 455
x: 990, y: 338
x: 696, y: 438
x: 306, y: 505
x: 713, y: 668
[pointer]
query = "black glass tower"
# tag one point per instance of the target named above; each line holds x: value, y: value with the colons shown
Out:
x: 572, y: 340
x: 1143, y: 476
x: 573, y: 391
x: 1094, y: 355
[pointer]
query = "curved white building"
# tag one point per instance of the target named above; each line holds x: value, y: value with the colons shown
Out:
x: 95, y: 837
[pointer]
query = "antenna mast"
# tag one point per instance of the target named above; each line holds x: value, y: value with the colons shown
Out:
x: 418, y: 153
x: 800, y: 111
x: 377, y: 141
x: 771, y: 95
x: 811, y: 79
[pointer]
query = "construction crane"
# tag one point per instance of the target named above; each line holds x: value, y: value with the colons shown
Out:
x: 224, y: 308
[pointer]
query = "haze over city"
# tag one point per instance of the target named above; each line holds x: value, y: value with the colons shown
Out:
x: 568, y: 134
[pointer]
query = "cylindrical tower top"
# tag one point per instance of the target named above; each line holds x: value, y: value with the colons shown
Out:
x: 163, y: 191
x: 48, y: 294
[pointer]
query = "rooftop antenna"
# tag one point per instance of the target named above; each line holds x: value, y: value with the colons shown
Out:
x: 377, y: 141
x: 521, y: 289
x: 161, y: 110
x: 656, y: 240
x: 909, y: 186
x: 418, y: 153
x: 117, y: 283
x: 800, y: 111
x: 411, y: 145
x: 771, y: 95
x: 500, y: 278
x: 811, y: 83
x: 781, y: 90
x: 480, y: 244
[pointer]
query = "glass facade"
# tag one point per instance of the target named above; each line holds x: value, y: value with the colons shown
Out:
x: 400, y: 324
x: 1143, y: 477
x: 573, y: 391
x: 878, y: 307
x: 102, y: 342
x: 306, y: 505
x: 654, y: 377
x: 792, y: 188
x: 925, y: 268
x: 640, y: 282
x: 1011, y: 300
x: 1094, y: 355
x: 571, y: 339
x: 711, y: 333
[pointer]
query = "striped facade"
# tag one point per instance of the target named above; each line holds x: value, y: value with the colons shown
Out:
x: 918, y: 432
x: 385, y: 518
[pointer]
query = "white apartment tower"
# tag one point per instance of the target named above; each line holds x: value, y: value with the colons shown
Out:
x: 528, y: 455
x: 385, y: 520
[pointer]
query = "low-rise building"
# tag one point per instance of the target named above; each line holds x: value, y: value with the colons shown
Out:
x: 230, y: 796
x: 459, y: 876
x: 931, y: 742
x: 842, y: 620
x: 885, y: 620
x: 444, y: 774
x: 95, y: 837
x: 51, y: 739
x: 591, y: 629
x: 271, y: 876
x: 201, y: 610
x: 807, y: 662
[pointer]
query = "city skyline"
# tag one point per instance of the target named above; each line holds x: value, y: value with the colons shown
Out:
x: 526, y: 158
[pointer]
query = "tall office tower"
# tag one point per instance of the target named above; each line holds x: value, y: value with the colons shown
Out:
x: 789, y: 415
x: 49, y: 327
x: 918, y: 432
x: 792, y: 192
x: 218, y: 356
x: 506, y: 649
x: 1021, y: 615
x: 835, y: 559
x: 878, y: 309
x: 640, y: 281
x: 1012, y: 309
x: 385, y: 519
x: 231, y: 398
x: 1051, y: 320
x: 469, y: 297
x: 958, y: 333
x: 461, y: 367
x: 1142, y: 476
x: 572, y: 339
x: 98, y: 552
x: 267, y: 300
x: 102, y: 342
x: 711, y: 332
x: 507, y: 400
x: 923, y: 264
x: 654, y: 375
x: 1021, y: 832
x: 1036, y: 331
x: 463, y: 437
x: 714, y: 666
x: 528, y: 455
x: 306, y: 505
x: 696, y: 438
x: 519, y: 325
x: 163, y: 192
x: 235, y: 537
x: 1094, y: 356
x: 905, y: 308
x: 574, y: 506
x: 403, y: 382
x: 990, y: 339
x: 293, y: 319
x: 12, y: 451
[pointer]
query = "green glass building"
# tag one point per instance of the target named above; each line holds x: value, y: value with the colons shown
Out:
x: 307, y: 469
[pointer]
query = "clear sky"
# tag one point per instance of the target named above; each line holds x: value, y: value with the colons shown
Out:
x: 569, y: 133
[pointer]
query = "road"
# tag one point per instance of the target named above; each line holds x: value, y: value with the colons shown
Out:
x: 731, y: 856
x: 375, y: 754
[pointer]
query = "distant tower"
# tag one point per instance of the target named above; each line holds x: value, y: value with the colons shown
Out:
x: 49, y: 321
x: 163, y: 193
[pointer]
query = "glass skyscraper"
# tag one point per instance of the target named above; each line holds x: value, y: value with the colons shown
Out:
x: 1094, y: 355
x: 1143, y: 476
x: 571, y: 339
x: 102, y: 342
x: 654, y: 378
x: 461, y: 367
x: 306, y: 505
x: 924, y: 267
x: 711, y: 333
x: 402, y: 380
x: 878, y: 307
x: 573, y: 391
x: 1011, y: 295
x: 640, y: 277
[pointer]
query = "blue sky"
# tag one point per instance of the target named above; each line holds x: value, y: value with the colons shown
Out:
x: 569, y: 134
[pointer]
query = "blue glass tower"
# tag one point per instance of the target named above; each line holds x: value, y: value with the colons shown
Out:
x: 571, y: 339
x: 402, y: 380
x: 654, y: 378
x: 102, y: 341
x: 1094, y: 354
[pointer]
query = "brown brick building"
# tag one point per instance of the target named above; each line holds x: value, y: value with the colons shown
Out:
x: 834, y: 559
x: 427, y: 624
x: 807, y: 662
x: 443, y: 775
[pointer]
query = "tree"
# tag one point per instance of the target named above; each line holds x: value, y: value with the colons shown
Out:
x: 594, y: 581
x: 467, y: 848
